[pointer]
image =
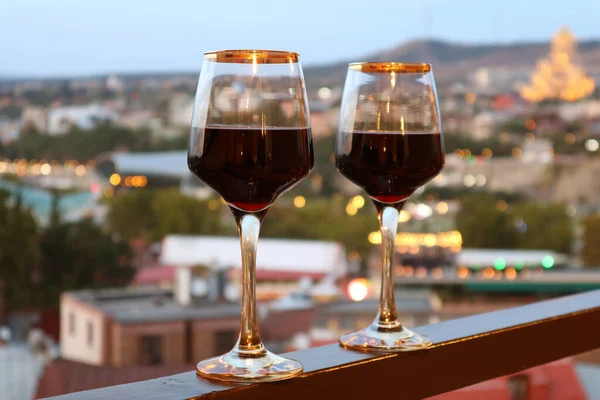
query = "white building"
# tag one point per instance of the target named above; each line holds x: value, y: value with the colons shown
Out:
x: 281, y: 264
x: 493, y: 79
x: 540, y: 151
x: 137, y: 119
x: 62, y: 119
x: 483, y: 124
x: 166, y: 164
x: 578, y: 182
x: 115, y: 84
x: 181, y: 109
x: 35, y: 117
x: 579, y: 110
x: 503, y: 174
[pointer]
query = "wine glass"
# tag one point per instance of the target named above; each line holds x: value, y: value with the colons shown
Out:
x: 250, y: 142
x: 389, y: 143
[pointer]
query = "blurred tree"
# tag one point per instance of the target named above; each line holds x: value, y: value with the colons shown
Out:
x: 542, y: 226
x: 78, y: 255
x: 563, y: 145
x: 179, y: 142
x: 131, y: 214
x: 30, y: 144
x: 152, y: 214
x: 524, y: 225
x: 84, y: 145
x: 179, y: 214
x: 453, y: 193
x: 19, y: 253
x: 590, y: 253
x: 36, y: 268
x: 324, y: 149
x: 483, y: 225
x: 323, y: 220
x: 513, y: 126
x: 10, y: 112
x: 40, y: 97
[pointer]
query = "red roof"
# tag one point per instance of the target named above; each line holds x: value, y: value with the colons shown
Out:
x: 286, y: 275
x: 63, y: 376
x: 154, y: 275
x: 554, y: 381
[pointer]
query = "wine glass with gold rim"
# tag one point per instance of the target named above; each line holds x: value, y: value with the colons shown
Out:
x: 390, y: 144
x: 250, y: 142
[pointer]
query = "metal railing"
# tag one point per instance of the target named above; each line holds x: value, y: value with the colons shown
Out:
x: 466, y: 351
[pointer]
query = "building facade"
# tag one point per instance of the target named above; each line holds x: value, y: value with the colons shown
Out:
x: 142, y: 326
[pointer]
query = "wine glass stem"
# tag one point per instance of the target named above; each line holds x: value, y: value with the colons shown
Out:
x: 387, y: 319
x: 249, y: 228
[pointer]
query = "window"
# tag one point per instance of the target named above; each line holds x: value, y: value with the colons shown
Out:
x: 151, y: 350
x: 90, y: 333
x: 224, y: 341
x: 72, y: 323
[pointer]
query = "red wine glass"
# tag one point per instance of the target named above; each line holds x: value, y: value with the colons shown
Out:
x: 250, y: 142
x: 389, y: 143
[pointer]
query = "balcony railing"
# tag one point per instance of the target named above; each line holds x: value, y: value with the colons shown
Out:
x: 466, y: 351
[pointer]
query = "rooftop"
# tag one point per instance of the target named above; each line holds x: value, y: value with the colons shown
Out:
x: 407, y: 302
x: 148, y: 304
x: 171, y: 164
x: 153, y: 304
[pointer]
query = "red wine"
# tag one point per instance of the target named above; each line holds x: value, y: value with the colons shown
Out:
x: 250, y: 167
x: 390, y: 166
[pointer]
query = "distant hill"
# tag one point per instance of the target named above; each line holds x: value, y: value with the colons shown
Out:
x: 451, y: 61
x: 455, y: 60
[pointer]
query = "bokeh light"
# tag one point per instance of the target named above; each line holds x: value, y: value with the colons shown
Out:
x: 299, y: 201
x: 358, y: 289
x: 115, y: 179
x: 548, y: 261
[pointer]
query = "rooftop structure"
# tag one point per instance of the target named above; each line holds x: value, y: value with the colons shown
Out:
x: 292, y: 258
x: 147, y: 304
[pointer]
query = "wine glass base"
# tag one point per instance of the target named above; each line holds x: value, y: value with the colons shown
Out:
x: 235, y: 367
x: 374, y: 340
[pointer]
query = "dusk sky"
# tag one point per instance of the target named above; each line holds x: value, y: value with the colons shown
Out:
x: 78, y: 37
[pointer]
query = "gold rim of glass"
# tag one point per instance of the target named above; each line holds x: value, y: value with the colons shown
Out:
x: 252, y: 56
x: 398, y: 67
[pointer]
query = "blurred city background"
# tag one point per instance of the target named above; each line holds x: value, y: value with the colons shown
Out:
x: 117, y: 265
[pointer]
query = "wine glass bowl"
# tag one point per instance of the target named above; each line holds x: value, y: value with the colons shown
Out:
x: 390, y: 144
x: 250, y: 138
x: 250, y: 142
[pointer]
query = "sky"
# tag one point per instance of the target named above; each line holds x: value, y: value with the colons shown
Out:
x: 81, y: 37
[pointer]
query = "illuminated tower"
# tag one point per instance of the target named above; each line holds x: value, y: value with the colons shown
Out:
x: 559, y: 75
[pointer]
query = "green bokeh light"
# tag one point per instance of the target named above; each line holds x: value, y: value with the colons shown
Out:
x: 500, y: 264
x: 548, y: 261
